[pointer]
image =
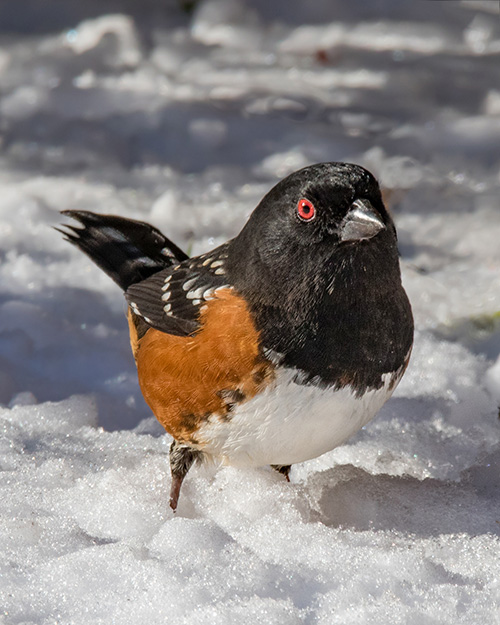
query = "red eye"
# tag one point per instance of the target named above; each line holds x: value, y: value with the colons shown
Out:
x: 306, y: 210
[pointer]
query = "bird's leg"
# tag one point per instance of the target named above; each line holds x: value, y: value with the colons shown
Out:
x: 181, y: 460
x: 284, y: 469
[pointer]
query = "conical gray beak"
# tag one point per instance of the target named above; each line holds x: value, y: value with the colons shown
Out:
x: 361, y: 222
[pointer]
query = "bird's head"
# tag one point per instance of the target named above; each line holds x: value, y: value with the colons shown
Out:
x: 309, y: 229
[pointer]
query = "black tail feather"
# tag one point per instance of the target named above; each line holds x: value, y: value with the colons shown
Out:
x: 128, y: 251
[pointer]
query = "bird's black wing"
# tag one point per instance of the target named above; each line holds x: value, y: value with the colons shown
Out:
x: 170, y: 300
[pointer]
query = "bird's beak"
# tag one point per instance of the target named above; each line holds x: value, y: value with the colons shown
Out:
x: 361, y: 222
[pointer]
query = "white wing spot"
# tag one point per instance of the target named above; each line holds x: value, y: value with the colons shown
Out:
x: 196, y: 294
x: 212, y: 292
x: 220, y: 272
x: 196, y: 302
x: 189, y: 283
x: 166, y: 282
x: 167, y: 308
x: 207, y: 261
x: 166, y: 296
x: 217, y: 263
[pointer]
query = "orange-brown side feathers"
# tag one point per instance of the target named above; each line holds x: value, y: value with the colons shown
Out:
x: 186, y: 379
x: 137, y: 329
x: 132, y: 327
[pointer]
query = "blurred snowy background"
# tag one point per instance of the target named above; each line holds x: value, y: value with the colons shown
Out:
x: 184, y: 114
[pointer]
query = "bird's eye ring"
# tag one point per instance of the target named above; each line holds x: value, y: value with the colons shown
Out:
x: 306, y: 210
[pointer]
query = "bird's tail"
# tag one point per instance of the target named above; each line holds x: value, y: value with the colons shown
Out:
x: 128, y: 251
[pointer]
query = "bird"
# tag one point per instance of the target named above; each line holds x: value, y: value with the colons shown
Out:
x: 278, y: 345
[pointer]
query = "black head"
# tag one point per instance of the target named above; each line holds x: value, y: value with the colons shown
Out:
x: 318, y: 265
x: 305, y: 227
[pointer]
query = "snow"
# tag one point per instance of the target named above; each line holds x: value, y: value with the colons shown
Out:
x: 185, y: 119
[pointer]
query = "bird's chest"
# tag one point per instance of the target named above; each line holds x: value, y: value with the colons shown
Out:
x: 291, y: 422
x: 352, y: 340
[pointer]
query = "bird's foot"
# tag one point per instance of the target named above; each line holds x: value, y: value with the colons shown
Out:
x: 284, y: 469
x: 181, y: 460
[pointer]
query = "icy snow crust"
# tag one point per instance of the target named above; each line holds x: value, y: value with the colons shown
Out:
x: 185, y: 120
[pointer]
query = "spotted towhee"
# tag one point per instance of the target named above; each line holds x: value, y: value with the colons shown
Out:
x: 281, y: 343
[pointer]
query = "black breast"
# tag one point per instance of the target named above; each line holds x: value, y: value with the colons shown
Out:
x: 352, y: 324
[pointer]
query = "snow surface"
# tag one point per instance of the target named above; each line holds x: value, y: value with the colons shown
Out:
x: 185, y: 119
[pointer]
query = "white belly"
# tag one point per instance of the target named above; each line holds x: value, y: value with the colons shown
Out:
x: 290, y: 423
